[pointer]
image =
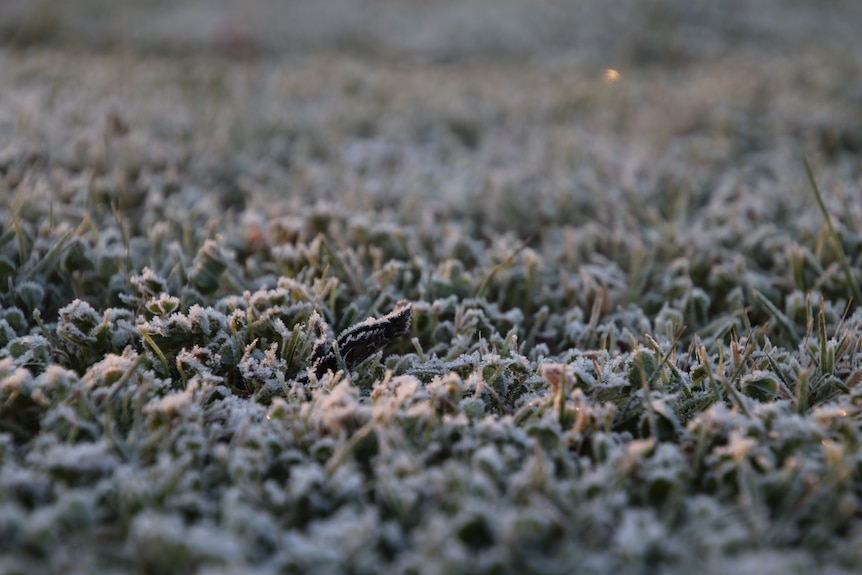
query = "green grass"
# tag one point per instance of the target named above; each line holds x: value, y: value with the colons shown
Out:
x: 635, y: 341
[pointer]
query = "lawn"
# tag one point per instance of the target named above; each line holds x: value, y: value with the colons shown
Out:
x: 431, y: 288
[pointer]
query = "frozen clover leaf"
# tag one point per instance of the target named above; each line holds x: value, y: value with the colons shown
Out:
x: 148, y: 284
x: 7, y: 334
x: 15, y: 319
x: 78, y: 321
x: 91, y: 333
x: 53, y: 384
x: 209, y: 265
x: 14, y: 380
x: 163, y: 304
x: 28, y: 295
x: 30, y: 351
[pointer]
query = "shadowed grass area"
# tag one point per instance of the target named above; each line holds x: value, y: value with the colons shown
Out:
x: 634, y: 336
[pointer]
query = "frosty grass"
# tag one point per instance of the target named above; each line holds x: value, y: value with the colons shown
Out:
x: 632, y: 348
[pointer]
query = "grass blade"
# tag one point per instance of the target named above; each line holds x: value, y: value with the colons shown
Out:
x: 842, y: 257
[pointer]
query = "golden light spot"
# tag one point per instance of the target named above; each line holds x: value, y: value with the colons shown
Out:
x: 611, y: 75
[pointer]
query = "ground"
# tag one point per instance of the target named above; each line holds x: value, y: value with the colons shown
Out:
x: 628, y: 236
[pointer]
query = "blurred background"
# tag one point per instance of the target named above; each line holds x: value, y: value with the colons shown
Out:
x: 621, y: 32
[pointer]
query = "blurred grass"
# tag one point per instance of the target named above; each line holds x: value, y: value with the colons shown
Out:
x: 659, y: 32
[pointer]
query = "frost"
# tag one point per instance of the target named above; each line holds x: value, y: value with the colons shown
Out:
x: 78, y: 321
x: 162, y: 305
x: 28, y: 295
x: 473, y: 407
x: 7, y: 334
x: 54, y: 384
x: 148, y: 284
x: 161, y: 542
x: 348, y: 316
x: 110, y: 370
x: 762, y: 385
x: 261, y: 369
x: 76, y: 464
x: 640, y: 534
x: 30, y: 351
x: 14, y: 381
x: 172, y: 404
